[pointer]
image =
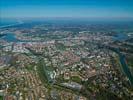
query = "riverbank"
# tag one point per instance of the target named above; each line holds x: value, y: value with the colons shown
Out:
x: 123, y: 63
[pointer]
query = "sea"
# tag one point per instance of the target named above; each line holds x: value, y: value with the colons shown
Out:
x: 7, y: 22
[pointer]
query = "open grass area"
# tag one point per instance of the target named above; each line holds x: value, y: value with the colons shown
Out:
x: 42, y: 74
x: 1, y: 98
x: 76, y: 79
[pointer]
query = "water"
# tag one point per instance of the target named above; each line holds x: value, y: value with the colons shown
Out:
x: 120, y: 37
x: 7, y: 22
x: 10, y: 37
x: 126, y: 68
x: 123, y: 64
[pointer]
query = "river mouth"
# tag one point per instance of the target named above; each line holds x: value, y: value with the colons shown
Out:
x: 10, y: 37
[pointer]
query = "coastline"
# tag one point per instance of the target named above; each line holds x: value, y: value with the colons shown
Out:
x: 9, y: 25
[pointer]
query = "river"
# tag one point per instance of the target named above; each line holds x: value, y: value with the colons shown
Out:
x: 123, y: 64
x: 10, y: 37
x: 122, y: 59
x: 120, y: 37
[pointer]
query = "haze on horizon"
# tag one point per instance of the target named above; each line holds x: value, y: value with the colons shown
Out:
x: 66, y: 8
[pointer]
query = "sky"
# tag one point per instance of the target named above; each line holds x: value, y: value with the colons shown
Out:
x: 66, y: 8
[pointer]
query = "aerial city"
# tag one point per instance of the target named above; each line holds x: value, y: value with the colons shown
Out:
x: 66, y: 50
